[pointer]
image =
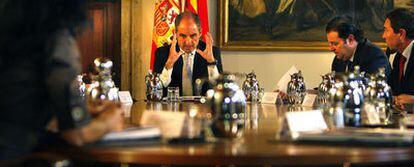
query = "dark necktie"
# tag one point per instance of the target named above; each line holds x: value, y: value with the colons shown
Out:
x: 401, y: 67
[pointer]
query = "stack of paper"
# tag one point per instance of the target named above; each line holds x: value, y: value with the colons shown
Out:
x: 360, y: 135
x: 134, y: 133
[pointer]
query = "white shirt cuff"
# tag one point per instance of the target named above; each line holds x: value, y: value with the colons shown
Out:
x: 213, y: 72
x: 166, y: 77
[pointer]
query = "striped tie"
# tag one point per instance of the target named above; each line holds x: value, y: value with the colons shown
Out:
x: 187, y: 76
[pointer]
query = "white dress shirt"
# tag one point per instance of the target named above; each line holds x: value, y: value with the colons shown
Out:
x: 166, y: 73
x: 391, y: 59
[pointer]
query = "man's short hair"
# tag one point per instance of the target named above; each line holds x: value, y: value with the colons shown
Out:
x: 190, y: 15
x: 344, y: 26
x: 401, y: 18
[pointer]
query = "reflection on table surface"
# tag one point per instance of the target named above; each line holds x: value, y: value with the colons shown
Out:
x: 257, y: 146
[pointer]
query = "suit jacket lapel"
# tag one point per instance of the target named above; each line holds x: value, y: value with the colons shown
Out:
x: 358, y: 55
x: 179, y: 67
x: 338, y: 65
x: 410, y: 66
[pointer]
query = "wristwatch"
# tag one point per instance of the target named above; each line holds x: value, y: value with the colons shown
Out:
x: 212, y: 63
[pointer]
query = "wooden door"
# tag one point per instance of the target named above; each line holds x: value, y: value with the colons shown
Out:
x: 101, y: 37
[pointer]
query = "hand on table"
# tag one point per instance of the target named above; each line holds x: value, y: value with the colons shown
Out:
x: 402, y: 99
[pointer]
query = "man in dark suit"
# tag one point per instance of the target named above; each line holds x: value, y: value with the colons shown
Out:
x: 399, y: 35
x: 180, y: 65
x: 351, y: 48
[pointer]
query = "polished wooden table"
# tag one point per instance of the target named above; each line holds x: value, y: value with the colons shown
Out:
x: 256, y: 147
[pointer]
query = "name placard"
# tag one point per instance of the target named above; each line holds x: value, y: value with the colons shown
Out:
x: 270, y: 97
x: 372, y: 114
x: 171, y: 123
x: 126, y: 107
x: 305, y: 121
x: 125, y: 97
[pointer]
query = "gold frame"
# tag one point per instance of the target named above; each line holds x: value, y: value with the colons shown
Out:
x: 226, y: 44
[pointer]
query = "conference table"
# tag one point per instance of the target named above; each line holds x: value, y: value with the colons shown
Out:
x: 258, y: 146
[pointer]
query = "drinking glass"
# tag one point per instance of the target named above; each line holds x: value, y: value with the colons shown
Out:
x: 173, y: 94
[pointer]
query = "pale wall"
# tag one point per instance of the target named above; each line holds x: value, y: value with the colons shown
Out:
x: 269, y: 66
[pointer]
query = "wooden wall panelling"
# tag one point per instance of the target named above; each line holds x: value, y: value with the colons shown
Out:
x: 138, y: 68
x: 126, y: 45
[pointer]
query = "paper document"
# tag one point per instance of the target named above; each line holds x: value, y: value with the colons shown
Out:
x: 125, y: 97
x: 270, y: 97
x: 134, y: 133
x: 191, y: 98
x: 360, y: 135
x: 283, y: 82
x: 170, y: 122
x: 309, y: 100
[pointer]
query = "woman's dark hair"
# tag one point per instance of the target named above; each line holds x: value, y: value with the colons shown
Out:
x: 401, y: 18
x: 27, y: 25
x: 344, y: 26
